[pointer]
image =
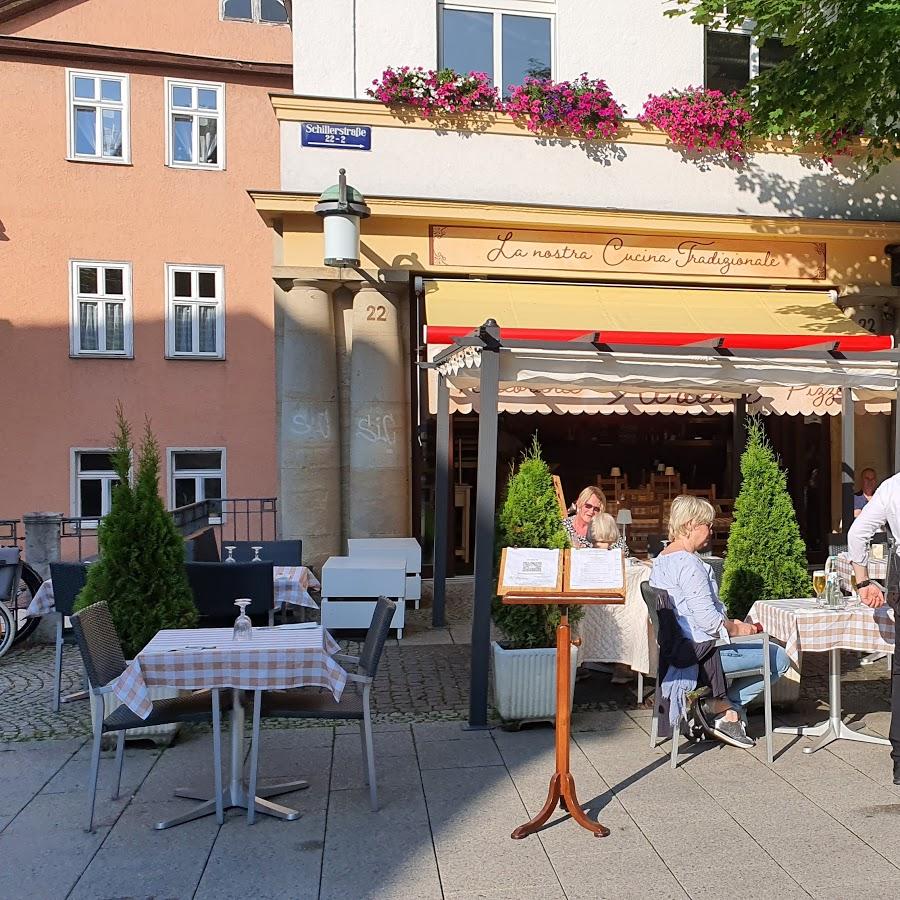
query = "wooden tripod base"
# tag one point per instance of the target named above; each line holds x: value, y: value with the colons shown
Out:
x: 562, y: 784
x: 562, y: 789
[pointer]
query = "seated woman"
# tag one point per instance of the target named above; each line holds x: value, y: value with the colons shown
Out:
x: 591, y: 501
x: 604, y: 532
x: 692, y: 588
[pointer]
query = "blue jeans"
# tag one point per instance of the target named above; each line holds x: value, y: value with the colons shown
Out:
x: 735, y: 657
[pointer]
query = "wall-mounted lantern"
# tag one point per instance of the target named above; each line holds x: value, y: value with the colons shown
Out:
x: 342, y: 207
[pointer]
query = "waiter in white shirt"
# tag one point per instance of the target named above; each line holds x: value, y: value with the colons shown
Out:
x: 883, y: 509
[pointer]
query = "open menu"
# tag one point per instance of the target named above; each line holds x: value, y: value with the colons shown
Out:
x: 530, y: 570
x: 595, y: 572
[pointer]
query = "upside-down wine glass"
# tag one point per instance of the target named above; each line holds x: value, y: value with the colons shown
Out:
x: 230, y: 557
x: 243, y: 627
x: 256, y: 557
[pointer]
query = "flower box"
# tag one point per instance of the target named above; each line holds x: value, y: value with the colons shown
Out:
x: 525, y: 683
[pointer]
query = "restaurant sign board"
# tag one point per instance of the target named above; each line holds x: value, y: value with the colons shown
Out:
x: 468, y: 247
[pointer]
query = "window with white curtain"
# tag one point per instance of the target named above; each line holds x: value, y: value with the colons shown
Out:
x: 101, y: 320
x: 270, y: 12
x: 195, y: 312
x: 98, y: 123
x: 195, y: 124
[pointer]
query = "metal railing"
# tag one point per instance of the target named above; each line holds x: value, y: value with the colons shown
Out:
x: 9, y: 531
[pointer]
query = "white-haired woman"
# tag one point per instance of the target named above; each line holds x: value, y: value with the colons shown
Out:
x: 591, y: 502
x: 692, y: 588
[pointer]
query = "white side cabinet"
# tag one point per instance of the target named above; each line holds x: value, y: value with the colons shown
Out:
x: 351, y: 587
x: 408, y: 547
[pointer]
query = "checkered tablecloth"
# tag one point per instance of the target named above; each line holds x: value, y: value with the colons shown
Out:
x: 844, y: 568
x: 292, y: 584
x: 197, y: 658
x: 805, y: 627
x: 43, y: 602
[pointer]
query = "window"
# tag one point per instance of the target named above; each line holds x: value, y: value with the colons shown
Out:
x: 195, y: 311
x: 508, y: 47
x: 94, y: 480
x: 270, y: 11
x: 195, y: 475
x: 734, y: 57
x: 98, y: 124
x: 100, y: 309
x: 195, y: 124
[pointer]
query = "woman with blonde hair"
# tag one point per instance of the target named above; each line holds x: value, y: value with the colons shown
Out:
x: 591, y: 502
x: 604, y: 532
x: 700, y: 614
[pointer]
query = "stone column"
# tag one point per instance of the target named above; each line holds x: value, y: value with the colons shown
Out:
x: 309, y: 441
x: 378, y: 489
x: 42, y: 547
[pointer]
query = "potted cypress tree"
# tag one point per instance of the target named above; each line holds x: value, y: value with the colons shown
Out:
x: 766, y: 556
x: 525, y: 662
x: 140, y: 571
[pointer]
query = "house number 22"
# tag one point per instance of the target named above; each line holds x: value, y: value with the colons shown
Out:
x: 376, y: 314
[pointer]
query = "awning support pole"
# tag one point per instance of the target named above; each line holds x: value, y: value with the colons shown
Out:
x: 896, y: 405
x: 484, y: 530
x: 848, y: 475
x: 441, y: 503
x: 738, y: 440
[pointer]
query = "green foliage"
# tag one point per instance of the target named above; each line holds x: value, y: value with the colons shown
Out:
x: 766, y: 557
x: 529, y: 517
x: 842, y: 80
x: 140, y: 572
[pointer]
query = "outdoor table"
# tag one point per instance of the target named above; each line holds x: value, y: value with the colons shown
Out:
x: 805, y: 627
x: 279, y: 658
x: 292, y: 584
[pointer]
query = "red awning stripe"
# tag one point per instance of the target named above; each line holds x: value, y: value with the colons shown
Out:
x: 444, y: 334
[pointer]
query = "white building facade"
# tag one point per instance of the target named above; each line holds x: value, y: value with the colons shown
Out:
x: 454, y: 200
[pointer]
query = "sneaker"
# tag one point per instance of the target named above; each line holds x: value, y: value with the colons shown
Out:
x: 732, y: 733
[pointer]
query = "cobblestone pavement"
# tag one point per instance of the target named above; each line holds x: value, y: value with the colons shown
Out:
x: 422, y: 678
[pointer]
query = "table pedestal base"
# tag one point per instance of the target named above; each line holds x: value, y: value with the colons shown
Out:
x: 235, y: 795
x: 833, y: 728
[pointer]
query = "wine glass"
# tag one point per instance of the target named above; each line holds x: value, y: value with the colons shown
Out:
x: 256, y: 556
x: 230, y: 551
x: 819, y: 583
x: 243, y: 627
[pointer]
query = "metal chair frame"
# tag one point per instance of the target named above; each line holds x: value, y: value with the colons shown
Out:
x: 59, y: 575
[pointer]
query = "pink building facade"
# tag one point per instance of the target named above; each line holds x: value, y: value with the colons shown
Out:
x: 134, y: 265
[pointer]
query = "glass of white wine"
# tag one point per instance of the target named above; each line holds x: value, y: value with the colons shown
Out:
x: 819, y: 583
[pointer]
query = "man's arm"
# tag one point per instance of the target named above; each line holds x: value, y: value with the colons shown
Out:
x: 871, y: 519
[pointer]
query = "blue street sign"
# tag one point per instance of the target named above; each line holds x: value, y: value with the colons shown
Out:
x: 338, y: 137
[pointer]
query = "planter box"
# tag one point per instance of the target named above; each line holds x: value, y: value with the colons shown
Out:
x: 525, y: 683
x: 159, y: 734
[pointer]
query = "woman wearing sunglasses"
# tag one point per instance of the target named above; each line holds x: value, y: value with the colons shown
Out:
x: 591, y: 502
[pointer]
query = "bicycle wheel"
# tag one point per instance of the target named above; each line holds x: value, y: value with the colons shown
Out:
x: 28, y: 587
x: 7, y: 629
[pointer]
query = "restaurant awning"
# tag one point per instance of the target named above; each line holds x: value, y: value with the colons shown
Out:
x: 627, y: 314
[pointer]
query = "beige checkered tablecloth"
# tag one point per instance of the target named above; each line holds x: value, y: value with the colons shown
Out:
x: 844, y: 568
x: 275, y: 659
x: 43, y: 602
x: 292, y: 584
x: 805, y: 627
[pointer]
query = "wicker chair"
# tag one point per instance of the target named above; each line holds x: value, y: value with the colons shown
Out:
x: 68, y: 580
x: 314, y: 704
x: 101, y: 652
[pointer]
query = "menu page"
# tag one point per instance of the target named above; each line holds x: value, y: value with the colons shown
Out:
x: 530, y: 568
x: 596, y: 570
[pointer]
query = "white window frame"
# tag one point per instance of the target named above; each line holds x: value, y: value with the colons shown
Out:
x: 197, y: 474
x: 255, y: 14
x: 124, y: 106
x: 195, y: 302
x: 196, y: 114
x: 75, y: 298
x: 510, y: 8
x: 747, y: 30
x: 76, y: 479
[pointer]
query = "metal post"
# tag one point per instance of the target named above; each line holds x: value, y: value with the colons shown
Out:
x: 484, y: 534
x: 441, y: 503
x: 848, y: 475
x: 897, y: 425
x: 738, y: 440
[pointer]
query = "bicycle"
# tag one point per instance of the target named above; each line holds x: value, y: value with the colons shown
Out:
x: 15, y: 625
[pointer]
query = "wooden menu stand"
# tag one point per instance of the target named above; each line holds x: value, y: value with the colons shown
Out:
x: 562, y: 784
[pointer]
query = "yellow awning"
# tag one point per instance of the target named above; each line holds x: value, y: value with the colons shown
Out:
x: 624, y: 314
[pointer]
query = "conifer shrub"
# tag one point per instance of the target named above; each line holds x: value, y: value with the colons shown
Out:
x: 140, y: 571
x: 529, y: 517
x: 766, y: 558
